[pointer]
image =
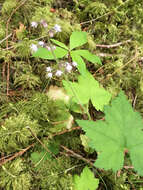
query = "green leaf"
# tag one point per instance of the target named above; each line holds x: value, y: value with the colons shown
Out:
x: 87, y: 89
x: 86, y: 181
x: 81, y: 66
x: 89, y: 56
x: 77, y: 38
x: 122, y: 129
x: 59, y: 44
x: 46, y: 54
x: 39, y: 157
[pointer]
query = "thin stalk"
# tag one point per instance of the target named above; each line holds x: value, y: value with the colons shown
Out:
x: 84, y: 111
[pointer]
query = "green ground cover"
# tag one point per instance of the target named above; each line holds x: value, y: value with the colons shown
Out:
x: 63, y: 62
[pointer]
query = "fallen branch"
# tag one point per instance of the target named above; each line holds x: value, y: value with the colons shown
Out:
x: 5, y: 38
x: 66, y: 131
x: 7, y: 25
x: 112, y: 45
x: 4, y: 161
x: 109, y: 55
x: 117, y: 70
x: 77, y: 156
x: 43, y: 145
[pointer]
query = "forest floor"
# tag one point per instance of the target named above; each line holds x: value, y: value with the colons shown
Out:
x: 56, y: 56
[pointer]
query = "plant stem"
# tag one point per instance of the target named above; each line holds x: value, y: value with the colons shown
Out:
x: 84, y: 111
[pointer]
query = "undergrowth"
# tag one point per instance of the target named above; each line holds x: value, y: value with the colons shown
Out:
x: 41, y: 144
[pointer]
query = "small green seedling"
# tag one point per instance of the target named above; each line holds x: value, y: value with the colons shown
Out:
x: 77, y: 39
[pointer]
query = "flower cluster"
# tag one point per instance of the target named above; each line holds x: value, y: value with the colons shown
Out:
x: 56, y: 28
x: 65, y: 67
x: 35, y: 47
x: 34, y: 24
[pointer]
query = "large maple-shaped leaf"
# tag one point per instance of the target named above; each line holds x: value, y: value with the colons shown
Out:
x: 122, y: 129
x: 86, y: 181
x: 87, y: 89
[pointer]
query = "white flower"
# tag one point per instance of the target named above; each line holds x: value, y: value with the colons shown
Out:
x: 34, y: 24
x: 68, y: 67
x: 58, y: 73
x: 49, y: 48
x: 41, y: 43
x: 48, y: 69
x: 34, y: 47
x: 66, y: 64
x: 74, y: 64
x: 44, y: 23
x: 51, y: 33
x: 49, y: 75
x: 57, y: 28
x: 53, y: 47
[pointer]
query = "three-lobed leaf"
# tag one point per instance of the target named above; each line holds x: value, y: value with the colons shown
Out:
x: 87, y: 89
x: 121, y: 130
x: 86, y: 181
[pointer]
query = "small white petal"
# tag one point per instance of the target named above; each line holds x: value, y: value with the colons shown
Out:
x: 49, y: 48
x: 44, y: 23
x: 74, y: 64
x: 49, y: 75
x: 48, y: 69
x: 69, y: 68
x: 41, y: 43
x: 57, y: 28
x: 34, y: 24
x: 51, y: 34
x: 58, y: 73
x: 34, y: 47
x: 53, y: 47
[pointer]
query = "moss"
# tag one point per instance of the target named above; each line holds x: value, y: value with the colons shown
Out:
x: 108, y: 22
x: 8, y: 7
x: 15, y: 176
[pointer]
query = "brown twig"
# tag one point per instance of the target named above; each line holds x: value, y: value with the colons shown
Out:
x: 108, y: 13
x: 7, y: 25
x: 66, y: 131
x: 77, y: 156
x: 5, y: 38
x: 109, y: 55
x: 93, y: 20
x: 13, y: 12
x: 8, y: 158
x: 4, y: 161
x: 112, y: 45
x: 117, y: 70
x: 7, y: 81
x: 43, y: 145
